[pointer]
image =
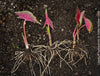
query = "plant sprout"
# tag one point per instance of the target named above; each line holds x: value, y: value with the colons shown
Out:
x: 79, y: 18
x: 27, y: 16
x: 48, y: 22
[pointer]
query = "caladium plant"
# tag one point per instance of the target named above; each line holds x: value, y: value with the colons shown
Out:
x: 79, y: 18
x: 27, y: 16
x: 49, y: 24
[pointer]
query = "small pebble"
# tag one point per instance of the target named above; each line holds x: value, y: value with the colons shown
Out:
x: 4, y: 3
x: 89, y: 72
x: 45, y: 6
x: 36, y: 6
x: 51, y: 11
x: 21, y: 27
x: 38, y: 40
x: 76, y: 73
x: 2, y: 67
x: 3, y: 18
x: 96, y: 9
x: 1, y: 22
x: 30, y: 26
x: 15, y: 5
x: 39, y: 37
x: 40, y: 20
x: 12, y: 9
x: 44, y: 37
x: 8, y: 8
x: 29, y: 35
x: 11, y: 4
x: 0, y: 2
x: 62, y: 29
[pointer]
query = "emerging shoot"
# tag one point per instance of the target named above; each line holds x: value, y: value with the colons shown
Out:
x: 49, y: 23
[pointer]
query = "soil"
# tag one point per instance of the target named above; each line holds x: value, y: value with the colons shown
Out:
x: 62, y: 13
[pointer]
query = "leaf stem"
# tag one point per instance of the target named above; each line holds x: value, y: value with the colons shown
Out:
x: 74, y: 38
x: 81, y: 27
x: 77, y: 33
x: 25, y: 38
x: 49, y: 34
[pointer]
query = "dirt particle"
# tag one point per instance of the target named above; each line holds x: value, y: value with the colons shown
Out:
x: 3, y: 18
x: 76, y: 74
x: 0, y: 2
x: 0, y: 21
x: 29, y: 35
x: 89, y: 72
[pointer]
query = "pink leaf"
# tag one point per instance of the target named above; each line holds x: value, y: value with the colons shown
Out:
x: 77, y: 16
x: 27, y: 16
x: 48, y: 21
x: 88, y: 24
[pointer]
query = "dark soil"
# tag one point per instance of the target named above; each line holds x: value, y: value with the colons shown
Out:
x: 62, y: 13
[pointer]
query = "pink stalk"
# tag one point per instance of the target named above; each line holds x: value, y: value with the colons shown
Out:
x: 79, y: 30
x: 74, y: 35
x: 81, y: 27
x: 25, y: 38
x: 77, y: 34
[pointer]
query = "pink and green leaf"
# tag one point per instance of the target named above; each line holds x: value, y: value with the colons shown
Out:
x: 27, y: 16
x: 88, y: 24
x: 48, y: 21
x: 81, y: 17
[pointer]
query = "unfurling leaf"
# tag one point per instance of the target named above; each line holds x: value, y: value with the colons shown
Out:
x: 88, y: 24
x: 27, y: 16
x: 77, y: 16
x: 48, y: 21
